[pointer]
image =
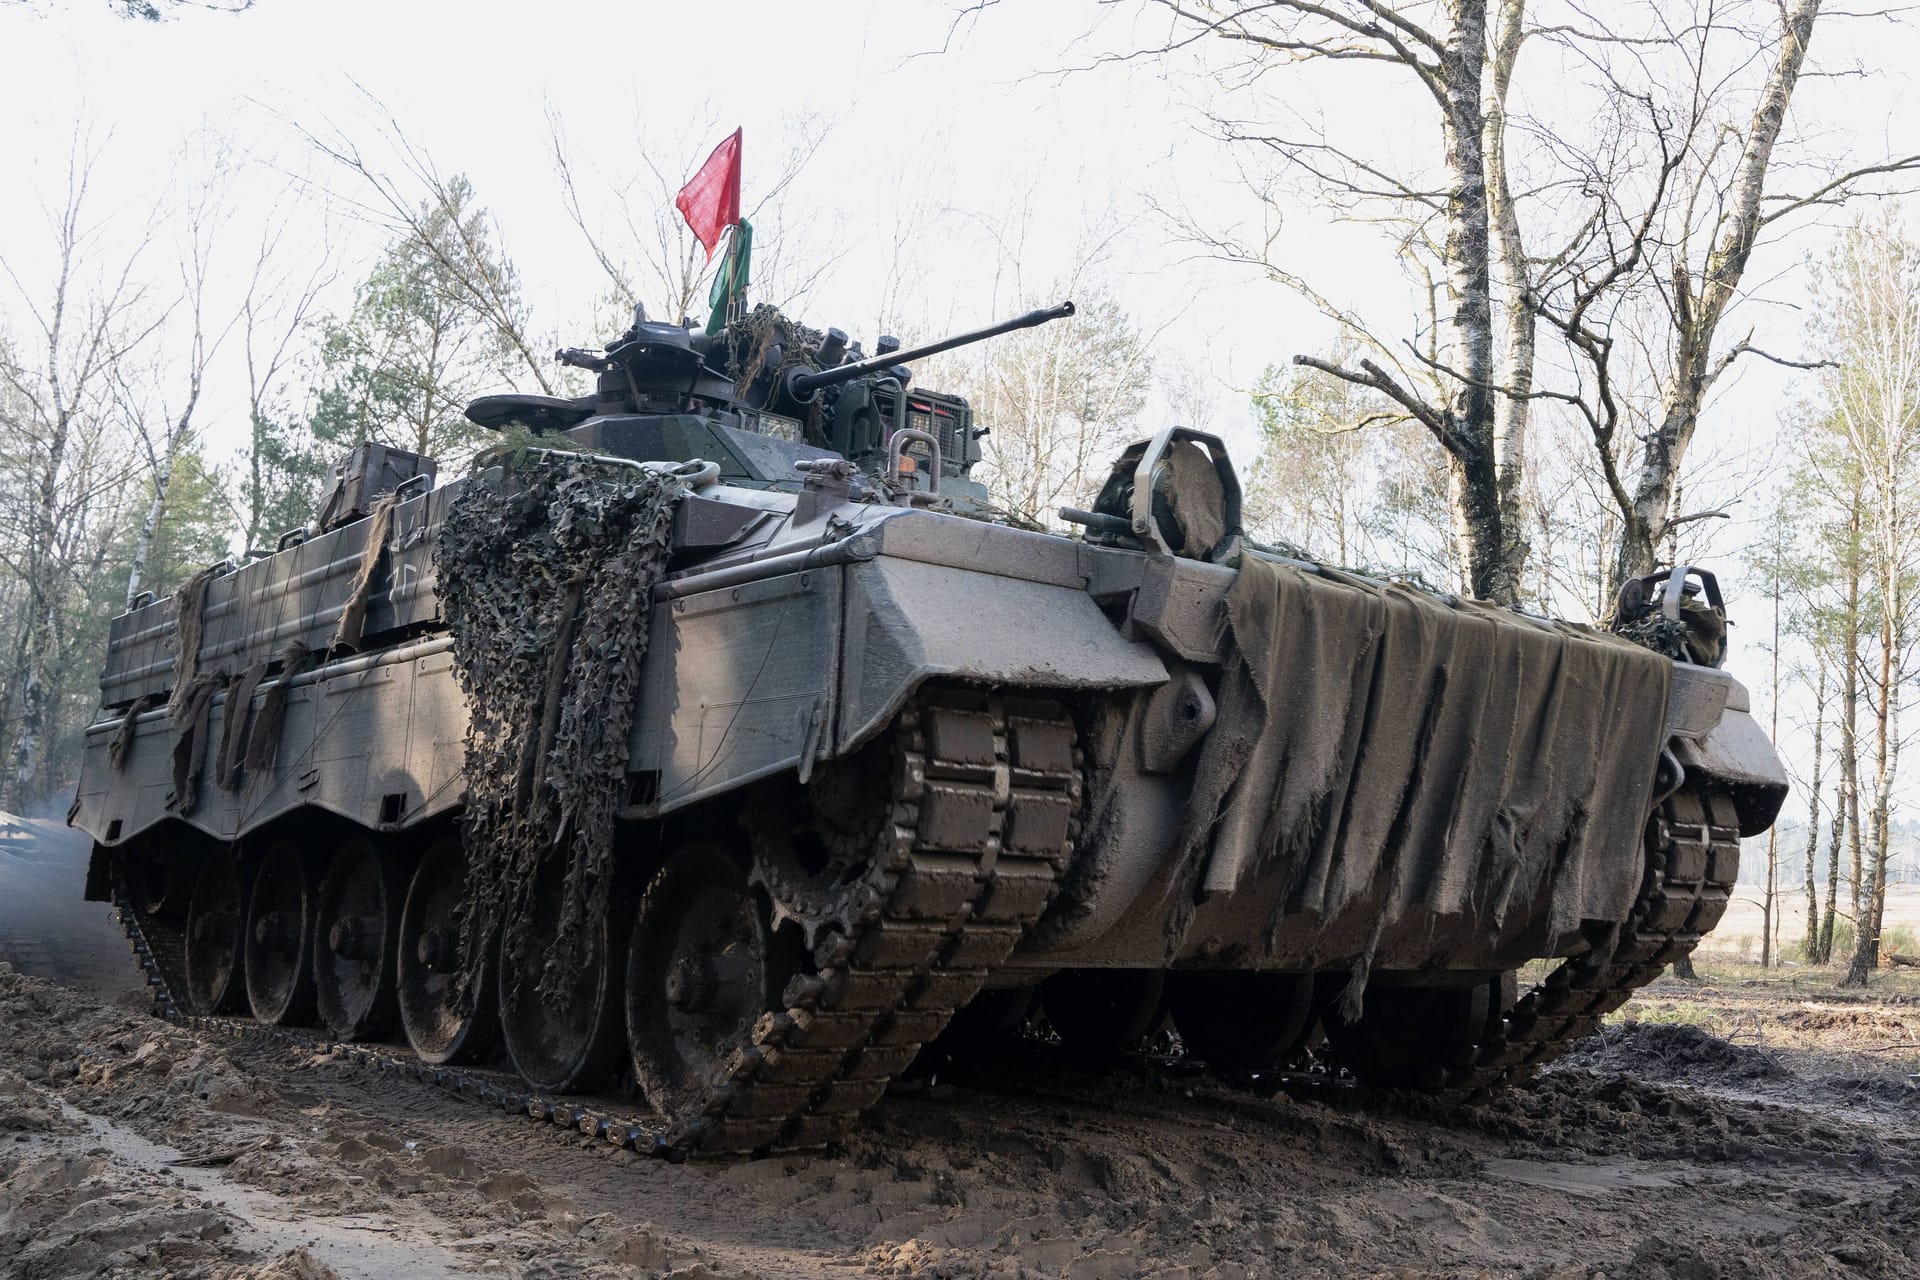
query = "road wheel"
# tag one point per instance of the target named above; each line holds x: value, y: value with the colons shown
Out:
x: 1100, y: 1014
x: 561, y: 1029
x: 279, y: 944
x: 1241, y: 1020
x: 446, y: 1018
x: 216, y: 919
x: 703, y: 965
x: 1407, y: 1037
x: 357, y: 946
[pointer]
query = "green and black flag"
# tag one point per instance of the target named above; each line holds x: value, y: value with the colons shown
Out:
x: 727, y: 300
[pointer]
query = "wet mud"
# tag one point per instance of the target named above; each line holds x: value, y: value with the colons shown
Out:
x: 129, y: 1147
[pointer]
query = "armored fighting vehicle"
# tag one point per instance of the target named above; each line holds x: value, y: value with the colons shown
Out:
x: 716, y: 738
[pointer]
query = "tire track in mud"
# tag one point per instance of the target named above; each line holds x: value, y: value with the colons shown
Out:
x: 1044, y: 1171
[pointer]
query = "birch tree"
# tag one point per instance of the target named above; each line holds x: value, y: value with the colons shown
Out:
x: 1454, y: 222
x: 1872, y: 321
x: 1632, y: 193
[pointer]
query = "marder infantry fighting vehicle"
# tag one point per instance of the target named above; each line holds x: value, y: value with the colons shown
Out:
x: 719, y: 738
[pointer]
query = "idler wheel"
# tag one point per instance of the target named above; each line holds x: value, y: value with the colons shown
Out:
x: 444, y: 1021
x: 1099, y: 1014
x: 1241, y: 1020
x: 357, y: 947
x: 1407, y: 1037
x: 279, y: 937
x: 561, y: 1029
x: 703, y: 965
x: 216, y: 914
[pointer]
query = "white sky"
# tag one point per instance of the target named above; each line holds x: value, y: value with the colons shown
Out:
x: 976, y: 126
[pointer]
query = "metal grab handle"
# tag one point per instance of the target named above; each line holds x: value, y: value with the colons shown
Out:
x: 896, y: 450
x: 695, y: 473
x: 1145, y: 527
x: 1677, y: 589
x: 422, y: 482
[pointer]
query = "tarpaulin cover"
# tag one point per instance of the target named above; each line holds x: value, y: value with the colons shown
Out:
x: 1377, y: 743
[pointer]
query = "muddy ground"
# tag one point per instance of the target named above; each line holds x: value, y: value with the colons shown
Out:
x: 1729, y: 1131
x: 1743, y: 1126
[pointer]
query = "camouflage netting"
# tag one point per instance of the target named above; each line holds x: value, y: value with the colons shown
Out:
x: 751, y: 344
x: 751, y: 340
x: 546, y: 573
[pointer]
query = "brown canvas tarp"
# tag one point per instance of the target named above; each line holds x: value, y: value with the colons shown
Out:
x: 1382, y: 746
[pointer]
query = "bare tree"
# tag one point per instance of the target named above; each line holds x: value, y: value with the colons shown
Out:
x: 85, y: 324
x: 643, y: 246
x: 1872, y: 321
x: 279, y: 306
x: 1449, y: 379
x: 204, y: 216
x: 437, y: 214
x: 1060, y: 400
x: 1725, y: 212
x: 1341, y: 476
x: 1623, y: 224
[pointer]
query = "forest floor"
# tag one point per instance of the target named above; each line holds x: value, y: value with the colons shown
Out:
x: 1750, y: 1124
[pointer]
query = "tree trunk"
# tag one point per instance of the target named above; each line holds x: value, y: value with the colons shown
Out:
x: 1811, y: 948
x: 1850, y: 707
x: 1834, y: 840
x: 1698, y: 310
x: 1772, y: 903
x: 1469, y: 349
x: 26, y: 782
x: 1517, y: 314
x: 1886, y: 725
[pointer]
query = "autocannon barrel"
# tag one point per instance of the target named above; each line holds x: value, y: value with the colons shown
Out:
x: 801, y: 386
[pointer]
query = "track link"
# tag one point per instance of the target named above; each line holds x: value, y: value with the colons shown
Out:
x: 1693, y: 856
x: 985, y: 798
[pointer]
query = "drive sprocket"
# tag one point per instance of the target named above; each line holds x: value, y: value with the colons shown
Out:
x: 815, y: 843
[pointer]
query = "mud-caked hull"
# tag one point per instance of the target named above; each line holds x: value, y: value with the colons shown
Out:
x: 885, y: 758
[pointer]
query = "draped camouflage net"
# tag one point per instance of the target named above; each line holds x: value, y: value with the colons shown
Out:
x: 546, y: 573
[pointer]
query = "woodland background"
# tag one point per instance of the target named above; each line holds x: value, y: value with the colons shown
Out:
x: 1568, y: 232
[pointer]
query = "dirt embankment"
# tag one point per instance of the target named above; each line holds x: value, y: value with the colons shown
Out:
x: 132, y: 1148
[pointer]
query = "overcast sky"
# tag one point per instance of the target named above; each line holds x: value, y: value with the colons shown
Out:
x: 1018, y: 166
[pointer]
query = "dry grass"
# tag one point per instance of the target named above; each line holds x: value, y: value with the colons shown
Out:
x: 1792, y: 1008
x: 1738, y: 935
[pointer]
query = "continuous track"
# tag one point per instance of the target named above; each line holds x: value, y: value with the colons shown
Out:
x: 985, y: 793
x: 1693, y: 855
x: 976, y: 845
x: 984, y: 796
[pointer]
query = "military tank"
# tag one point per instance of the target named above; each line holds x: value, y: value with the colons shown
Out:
x: 717, y: 740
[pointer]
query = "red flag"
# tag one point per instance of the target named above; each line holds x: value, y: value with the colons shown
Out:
x: 710, y: 202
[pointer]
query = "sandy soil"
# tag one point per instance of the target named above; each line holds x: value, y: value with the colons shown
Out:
x: 1748, y: 1125
x: 132, y: 1148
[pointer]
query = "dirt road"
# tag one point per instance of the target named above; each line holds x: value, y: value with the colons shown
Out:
x: 130, y: 1147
